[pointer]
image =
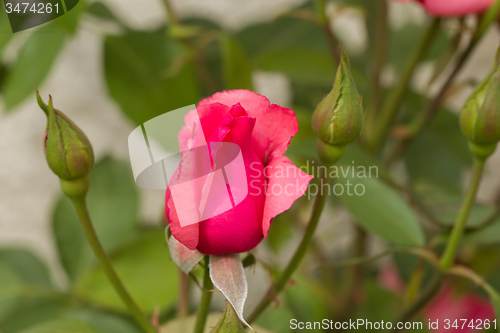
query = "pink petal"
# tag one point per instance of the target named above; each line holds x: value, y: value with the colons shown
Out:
x: 455, y: 7
x: 275, y: 125
x: 191, y: 135
x: 286, y: 183
x: 187, y: 235
x: 211, y: 116
x: 239, y: 229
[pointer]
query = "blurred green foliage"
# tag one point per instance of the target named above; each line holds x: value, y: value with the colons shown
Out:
x: 148, y: 73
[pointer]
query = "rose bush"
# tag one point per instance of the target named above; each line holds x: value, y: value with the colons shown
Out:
x: 454, y: 7
x: 263, y: 132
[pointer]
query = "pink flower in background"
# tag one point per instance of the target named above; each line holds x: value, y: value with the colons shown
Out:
x: 454, y: 7
x: 469, y: 306
x: 263, y: 132
x: 445, y: 305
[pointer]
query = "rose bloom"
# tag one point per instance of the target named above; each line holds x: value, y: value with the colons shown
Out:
x: 454, y: 7
x: 263, y: 132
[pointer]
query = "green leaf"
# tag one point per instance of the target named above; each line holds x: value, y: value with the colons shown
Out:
x: 296, y: 47
x: 276, y: 319
x: 444, y: 204
x: 10, y: 289
x: 61, y: 326
x: 27, y: 266
x: 308, y: 300
x: 229, y: 322
x: 236, y: 66
x: 103, y: 322
x: 37, y: 55
x: 30, y: 310
x: 69, y: 21
x: 100, y: 10
x: 148, y: 74
x: 282, y: 33
x: 356, y: 155
x: 146, y: 270
x: 439, y: 155
x: 375, y: 295
x: 301, y: 64
x: 33, y: 64
x: 5, y: 30
x: 113, y: 206
x: 382, y: 211
x: 485, y: 236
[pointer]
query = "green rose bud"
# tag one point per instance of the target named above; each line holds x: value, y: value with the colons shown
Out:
x: 67, y: 149
x: 480, y: 117
x: 338, y: 118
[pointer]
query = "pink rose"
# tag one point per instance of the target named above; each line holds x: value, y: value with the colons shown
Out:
x: 454, y: 7
x: 263, y: 132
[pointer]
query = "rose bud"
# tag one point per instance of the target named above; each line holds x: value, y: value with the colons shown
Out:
x: 480, y: 117
x: 338, y: 118
x: 262, y: 131
x: 67, y: 149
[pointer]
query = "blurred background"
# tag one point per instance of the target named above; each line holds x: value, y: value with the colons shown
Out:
x: 110, y: 65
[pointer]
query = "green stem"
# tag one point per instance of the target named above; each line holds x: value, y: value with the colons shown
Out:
x: 202, y: 71
x: 448, y: 257
x: 83, y: 215
x: 458, y: 229
x: 206, y: 297
x: 324, y: 23
x: 361, y: 260
x: 394, y: 100
x: 280, y: 283
x: 379, y: 55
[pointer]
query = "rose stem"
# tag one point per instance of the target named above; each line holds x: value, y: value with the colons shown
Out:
x: 324, y: 23
x: 206, y: 296
x: 458, y: 228
x: 379, y: 46
x: 448, y: 257
x: 280, y: 283
x: 83, y: 215
x: 182, y: 309
x: 396, y: 96
x: 204, y: 75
